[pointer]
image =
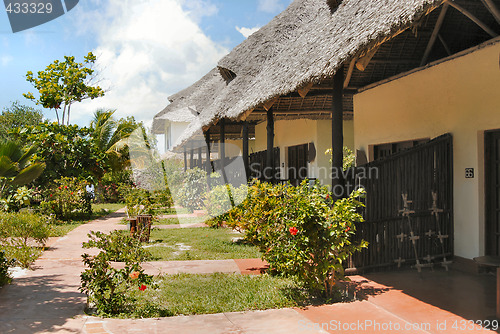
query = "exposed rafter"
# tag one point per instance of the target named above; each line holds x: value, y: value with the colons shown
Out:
x: 448, y: 51
x: 435, y: 33
x: 349, y: 73
x: 473, y: 18
x: 492, y: 9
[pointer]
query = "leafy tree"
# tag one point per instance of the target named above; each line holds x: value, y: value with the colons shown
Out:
x: 15, y: 167
x: 66, y: 150
x: 64, y: 82
x: 18, y: 115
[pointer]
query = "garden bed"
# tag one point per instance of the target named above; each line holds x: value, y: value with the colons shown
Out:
x: 187, y: 294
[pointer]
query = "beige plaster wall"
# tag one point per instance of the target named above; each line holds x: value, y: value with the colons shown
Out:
x: 303, y: 131
x: 460, y: 96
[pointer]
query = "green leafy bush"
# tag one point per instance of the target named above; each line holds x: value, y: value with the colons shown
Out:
x: 18, y: 233
x: 139, y: 202
x: 117, y: 246
x: 106, y: 286
x: 4, y: 269
x: 67, y: 199
x: 17, y: 199
x: 299, y: 232
x: 191, y: 193
x: 25, y: 226
x: 218, y: 199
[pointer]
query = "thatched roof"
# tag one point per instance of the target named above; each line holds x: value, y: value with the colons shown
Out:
x: 186, y: 105
x: 306, y: 43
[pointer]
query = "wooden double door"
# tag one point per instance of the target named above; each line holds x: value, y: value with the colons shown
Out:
x: 492, y: 188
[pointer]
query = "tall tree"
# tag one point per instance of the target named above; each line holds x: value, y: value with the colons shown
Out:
x: 16, y: 116
x: 111, y: 136
x: 64, y: 82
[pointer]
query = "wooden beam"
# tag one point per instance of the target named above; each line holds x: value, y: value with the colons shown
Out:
x: 269, y: 103
x: 304, y: 90
x: 448, y: 51
x: 435, y: 33
x: 473, y: 18
x: 363, y: 62
x: 270, y: 147
x: 245, y: 150
x: 338, y: 134
x: 492, y: 9
x: 349, y: 73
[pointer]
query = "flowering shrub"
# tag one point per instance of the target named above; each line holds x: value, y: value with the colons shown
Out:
x: 106, y: 287
x: 67, y: 199
x: 299, y: 232
x: 110, y: 185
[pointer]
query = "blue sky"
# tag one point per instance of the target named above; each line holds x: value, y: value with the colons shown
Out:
x: 147, y: 49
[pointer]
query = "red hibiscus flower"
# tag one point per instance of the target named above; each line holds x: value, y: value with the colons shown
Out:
x: 347, y: 229
x: 142, y: 287
x: 293, y: 230
x: 327, y: 197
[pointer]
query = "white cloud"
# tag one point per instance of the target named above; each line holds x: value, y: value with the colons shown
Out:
x: 270, y: 6
x: 247, y: 31
x: 148, y: 50
x: 5, y: 60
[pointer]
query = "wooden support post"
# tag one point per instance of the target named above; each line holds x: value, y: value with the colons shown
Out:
x: 200, y: 158
x: 338, y: 134
x: 222, y: 143
x: 185, y: 160
x: 245, y: 150
x: 473, y: 18
x: 210, y: 166
x: 191, y: 158
x: 269, y: 170
x: 435, y: 33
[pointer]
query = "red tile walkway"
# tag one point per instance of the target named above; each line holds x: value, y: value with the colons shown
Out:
x: 46, y: 300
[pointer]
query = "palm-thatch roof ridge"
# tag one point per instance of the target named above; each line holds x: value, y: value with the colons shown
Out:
x: 308, y: 42
x: 186, y: 105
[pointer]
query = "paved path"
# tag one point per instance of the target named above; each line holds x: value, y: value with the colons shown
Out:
x: 46, y: 300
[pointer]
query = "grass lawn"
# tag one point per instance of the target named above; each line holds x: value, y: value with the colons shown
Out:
x: 166, y: 221
x: 186, y: 294
x: 99, y: 210
x: 201, y: 243
x: 175, y: 221
x: 172, y: 211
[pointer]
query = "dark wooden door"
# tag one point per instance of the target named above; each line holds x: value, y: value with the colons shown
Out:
x: 492, y: 179
x: 297, y: 163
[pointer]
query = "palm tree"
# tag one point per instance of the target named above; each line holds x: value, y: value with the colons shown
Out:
x: 15, y: 168
x: 111, y: 136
